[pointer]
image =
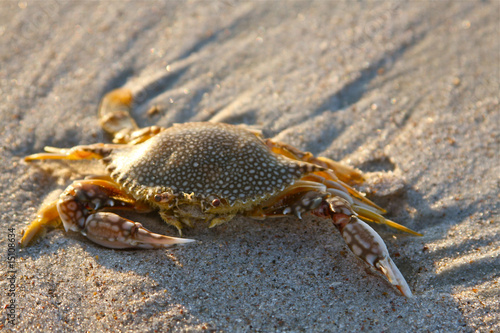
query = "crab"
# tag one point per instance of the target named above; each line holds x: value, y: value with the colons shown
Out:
x: 205, y: 172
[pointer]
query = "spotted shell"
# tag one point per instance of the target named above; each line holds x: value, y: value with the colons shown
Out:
x: 204, y: 160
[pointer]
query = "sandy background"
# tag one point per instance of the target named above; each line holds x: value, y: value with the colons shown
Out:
x: 407, y: 92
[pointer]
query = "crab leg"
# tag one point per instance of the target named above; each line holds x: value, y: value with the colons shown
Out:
x: 95, y: 151
x: 344, y: 173
x: 365, y: 208
x: 47, y: 218
x: 330, y: 180
x: 369, y: 216
x: 115, y: 118
x: 114, y: 113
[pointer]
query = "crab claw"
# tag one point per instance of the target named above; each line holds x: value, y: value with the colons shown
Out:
x: 391, y: 271
x: 367, y: 245
x: 113, y: 231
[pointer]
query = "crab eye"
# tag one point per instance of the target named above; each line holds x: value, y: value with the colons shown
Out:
x: 163, y: 197
x: 215, y: 202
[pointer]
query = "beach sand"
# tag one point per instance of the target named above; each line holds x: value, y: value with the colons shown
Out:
x: 406, y: 92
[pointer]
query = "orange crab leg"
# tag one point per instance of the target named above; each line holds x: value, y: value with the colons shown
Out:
x: 114, y: 113
x: 366, y: 209
x: 274, y: 206
x: 329, y: 179
x: 369, y: 216
x: 344, y: 173
x: 95, y: 151
x: 47, y: 218
x: 115, y: 118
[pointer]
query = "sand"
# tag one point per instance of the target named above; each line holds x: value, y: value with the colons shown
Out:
x: 406, y: 92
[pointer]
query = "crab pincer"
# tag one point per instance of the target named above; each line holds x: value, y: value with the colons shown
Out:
x: 79, y: 209
x: 367, y: 245
x: 364, y: 242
